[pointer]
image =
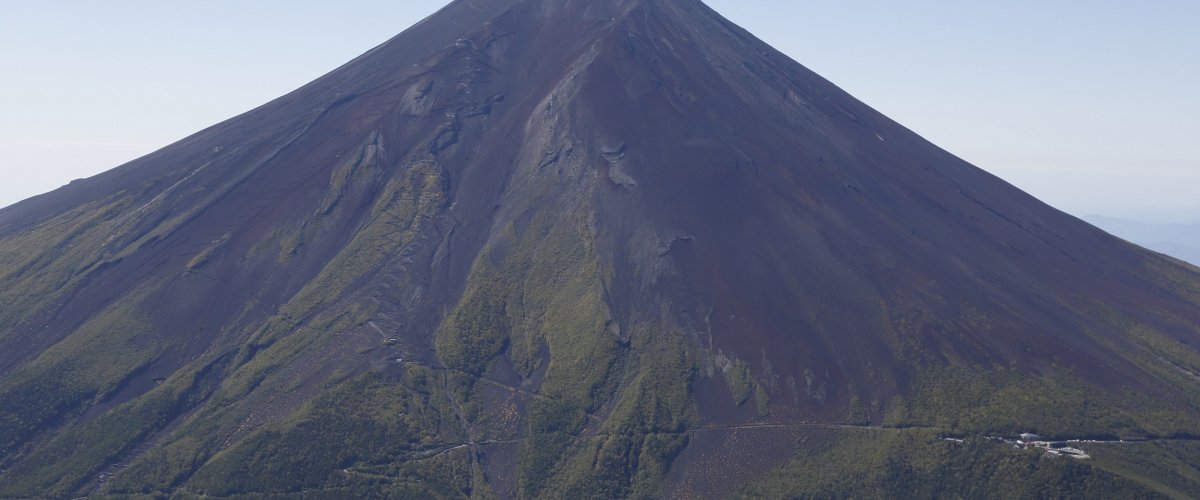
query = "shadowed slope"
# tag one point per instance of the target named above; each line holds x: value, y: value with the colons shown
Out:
x: 557, y: 248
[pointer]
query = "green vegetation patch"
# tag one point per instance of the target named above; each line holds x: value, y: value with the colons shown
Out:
x: 612, y: 405
x: 368, y: 436
x: 917, y: 464
x: 1001, y: 401
x: 1169, y: 467
x: 738, y: 377
x: 71, y: 376
x: 743, y: 385
x: 478, y: 329
x: 406, y: 208
x: 38, y: 265
x: 70, y: 460
x: 283, y: 354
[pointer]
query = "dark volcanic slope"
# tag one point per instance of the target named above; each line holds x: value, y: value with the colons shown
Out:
x: 548, y: 248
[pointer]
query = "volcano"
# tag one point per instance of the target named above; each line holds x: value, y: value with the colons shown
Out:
x: 580, y: 249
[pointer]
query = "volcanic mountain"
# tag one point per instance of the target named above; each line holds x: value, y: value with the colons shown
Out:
x: 578, y: 249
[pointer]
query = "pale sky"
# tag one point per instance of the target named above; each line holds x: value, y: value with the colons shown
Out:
x: 1091, y: 105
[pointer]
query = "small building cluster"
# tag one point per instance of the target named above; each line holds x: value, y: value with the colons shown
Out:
x: 1053, y: 448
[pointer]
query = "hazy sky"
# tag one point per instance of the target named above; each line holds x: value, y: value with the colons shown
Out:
x: 1092, y: 105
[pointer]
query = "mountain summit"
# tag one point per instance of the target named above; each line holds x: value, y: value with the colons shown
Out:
x: 577, y: 249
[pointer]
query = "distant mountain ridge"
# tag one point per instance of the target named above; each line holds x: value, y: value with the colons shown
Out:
x: 1181, y: 241
x: 579, y: 249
